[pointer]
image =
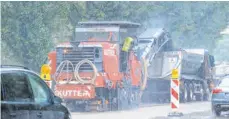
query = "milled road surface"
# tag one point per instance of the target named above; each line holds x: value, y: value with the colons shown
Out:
x: 197, y: 115
x: 195, y: 110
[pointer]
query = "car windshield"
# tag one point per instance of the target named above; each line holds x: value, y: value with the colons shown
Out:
x: 224, y: 82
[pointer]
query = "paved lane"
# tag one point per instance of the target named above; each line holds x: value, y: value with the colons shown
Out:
x: 195, y: 110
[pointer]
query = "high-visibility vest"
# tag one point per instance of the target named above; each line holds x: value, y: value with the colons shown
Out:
x: 127, y: 43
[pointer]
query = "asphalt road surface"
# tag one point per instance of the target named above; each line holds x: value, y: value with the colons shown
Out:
x: 195, y: 110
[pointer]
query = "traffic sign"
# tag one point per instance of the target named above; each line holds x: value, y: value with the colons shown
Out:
x: 175, y: 74
x: 175, y: 94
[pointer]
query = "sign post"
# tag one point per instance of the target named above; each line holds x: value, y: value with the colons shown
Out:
x: 174, y: 92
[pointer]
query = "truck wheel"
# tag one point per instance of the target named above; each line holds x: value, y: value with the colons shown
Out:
x: 184, y: 94
x: 200, y: 96
x: 191, y: 92
x: 206, y: 95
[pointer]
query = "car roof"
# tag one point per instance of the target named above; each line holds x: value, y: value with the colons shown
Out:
x: 8, y: 68
x: 13, y: 66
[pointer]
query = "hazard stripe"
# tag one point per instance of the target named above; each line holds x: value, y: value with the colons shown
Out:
x: 176, y: 82
x: 174, y: 94
x: 173, y: 106
x: 174, y: 86
x: 175, y: 101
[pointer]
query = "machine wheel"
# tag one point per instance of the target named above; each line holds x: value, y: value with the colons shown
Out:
x: 191, y: 92
x: 103, y: 106
x: 135, y: 99
x: 100, y: 108
x: 73, y: 107
x: 70, y: 105
x: 122, y: 99
x: 200, y: 96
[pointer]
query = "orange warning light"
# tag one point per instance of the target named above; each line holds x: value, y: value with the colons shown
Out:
x: 175, y: 74
x: 45, y: 72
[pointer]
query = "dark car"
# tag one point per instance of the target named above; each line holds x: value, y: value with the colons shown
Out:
x: 24, y: 95
x: 220, y: 97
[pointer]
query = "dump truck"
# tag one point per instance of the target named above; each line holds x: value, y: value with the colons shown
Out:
x: 93, y: 72
x: 196, y: 67
x: 196, y: 75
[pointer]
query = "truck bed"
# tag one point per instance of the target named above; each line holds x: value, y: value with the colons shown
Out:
x: 191, y: 65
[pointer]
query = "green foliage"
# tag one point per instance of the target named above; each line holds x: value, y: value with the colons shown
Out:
x: 221, y: 51
x: 26, y: 31
x: 31, y: 29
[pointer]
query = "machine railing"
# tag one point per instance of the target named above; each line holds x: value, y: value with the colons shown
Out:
x: 75, y: 56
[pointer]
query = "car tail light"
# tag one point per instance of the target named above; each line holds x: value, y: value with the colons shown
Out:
x: 215, y: 91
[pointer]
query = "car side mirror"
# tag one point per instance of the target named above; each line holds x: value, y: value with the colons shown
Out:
x: 57, y: 100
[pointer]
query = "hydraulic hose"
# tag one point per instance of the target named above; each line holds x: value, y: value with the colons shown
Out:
x: 145, y: 72
x: 143, y: 78
x: 60, y: 70
x: 77, y: 76
x: 145, y: 66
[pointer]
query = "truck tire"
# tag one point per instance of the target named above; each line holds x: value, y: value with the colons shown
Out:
x: 200, y: 96
x: 191, y: 92
x: 206, y: 92
x: 184, y: 94
x: 206, y: 95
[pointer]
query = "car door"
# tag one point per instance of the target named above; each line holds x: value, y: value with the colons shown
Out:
x: 43, y: 103
x: 16, y: 96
